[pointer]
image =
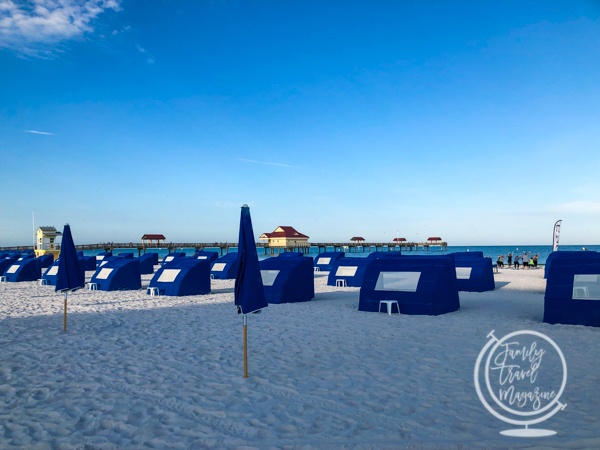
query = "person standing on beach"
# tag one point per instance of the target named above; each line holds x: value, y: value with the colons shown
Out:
x: 525, y: 259
x: 516, y: 262
x: 509, y: 256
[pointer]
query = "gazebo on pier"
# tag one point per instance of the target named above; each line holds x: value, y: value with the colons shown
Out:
x: 153, y: 240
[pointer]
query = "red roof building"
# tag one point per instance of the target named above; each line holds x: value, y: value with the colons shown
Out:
x: 153, y: 237
x: 285, y: 236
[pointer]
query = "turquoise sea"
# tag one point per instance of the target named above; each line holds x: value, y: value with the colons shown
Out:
x: 492, y: 251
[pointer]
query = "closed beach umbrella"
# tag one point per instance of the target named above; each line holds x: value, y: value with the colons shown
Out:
x: 69, y: 276
x: 249, y: 291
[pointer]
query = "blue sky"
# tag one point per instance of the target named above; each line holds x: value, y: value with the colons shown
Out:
x: 474, y: 121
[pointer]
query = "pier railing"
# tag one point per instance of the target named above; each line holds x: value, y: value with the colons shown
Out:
x: 224, y: 247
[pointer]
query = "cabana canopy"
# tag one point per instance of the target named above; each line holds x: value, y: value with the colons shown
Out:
x: 352, y: 270
x: 474, y: 273
x: 183, y: 276
x: 171, y: 256
x: 573, y: 290
x: 357, y: 239
x: 434, y: 239
x: 147, y: 263
x: 420, y: 284
x: 225, y: 267
x: 208, y: 255
x: 24, y: 269
x: 288, y: 280
x: 326, y: 260
x: 118, y: 274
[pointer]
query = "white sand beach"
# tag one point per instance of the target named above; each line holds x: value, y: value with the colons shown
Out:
x: 135, y: 371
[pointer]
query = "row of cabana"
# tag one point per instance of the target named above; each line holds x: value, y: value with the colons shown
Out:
x: 419, y: 284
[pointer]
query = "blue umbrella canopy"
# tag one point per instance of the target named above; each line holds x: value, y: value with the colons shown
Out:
x: 69, y: 276
x: 249, y: 290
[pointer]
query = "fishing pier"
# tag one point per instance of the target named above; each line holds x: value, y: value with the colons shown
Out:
x: 225, y: 247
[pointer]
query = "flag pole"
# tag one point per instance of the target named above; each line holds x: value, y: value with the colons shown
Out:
x: 245, y: 346
x: 65, y: 314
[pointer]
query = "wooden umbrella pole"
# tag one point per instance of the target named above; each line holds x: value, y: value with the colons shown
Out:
x: 65, y: 314
x: 245, y: 347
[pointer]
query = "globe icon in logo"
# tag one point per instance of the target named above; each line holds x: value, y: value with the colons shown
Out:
x: 520, y: 379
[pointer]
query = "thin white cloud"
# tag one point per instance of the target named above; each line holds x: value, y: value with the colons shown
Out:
x: 46, y: 133
x: 24, y: 24
x: 579, y: 207
x: 143, y: 51
x: 265, y: 163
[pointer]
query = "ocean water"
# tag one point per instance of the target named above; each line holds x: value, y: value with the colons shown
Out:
x: 493, y: 251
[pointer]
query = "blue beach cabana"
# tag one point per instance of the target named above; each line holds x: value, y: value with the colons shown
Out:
x: 154, y: 256
x: 225, y: 267
x: 46, y: 260
x: 24, y: 269
x: 348, y: 269
x: 573, y: 292
x: 88, y: 262
x: 183, y: 276
x: 51, y: 272
x: 209, y: 256
x: 574, y: 256
x: 7, y: 261
x: 423, y: 285
x: 118, y: 274
x: 171, y: 256
x: 473, y: 273
x: 147, y: 263
x: 101, y: 256
x: 288, y: 280
x: 325, y: 261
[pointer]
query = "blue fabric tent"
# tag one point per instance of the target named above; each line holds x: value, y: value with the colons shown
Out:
x: 89, y: 262
x: 420, y: 284
x: 154, y: 257
x: 171, y: 256
x: 147, y: 263
x: 50, y: 273
x: 350, y: 269
x: 46, y: 260
x: 183, y: 276
x: 473, y: 273
x: 7, y: 261
x: 210, y: 256
x: 326, y: 260
x: 475, y: 254
x: 573, y: 291
x: 288, y: 280
x: 291, y: 255
x: 101, y: 256
x: 225, y: 267
x: 24, y: 269
x: 572, y: 255
x: 118, y: 274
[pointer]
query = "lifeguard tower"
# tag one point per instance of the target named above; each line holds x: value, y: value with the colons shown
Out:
x: 47, y: 242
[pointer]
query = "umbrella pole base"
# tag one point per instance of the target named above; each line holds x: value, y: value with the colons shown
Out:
x: 245, y: 348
